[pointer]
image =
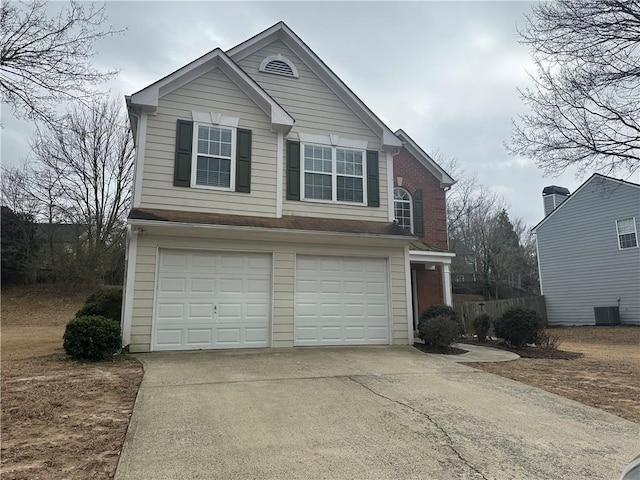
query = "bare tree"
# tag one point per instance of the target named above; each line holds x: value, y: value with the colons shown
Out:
x: 45, y: 60
x: 90, y: 154
x: 584, y: 107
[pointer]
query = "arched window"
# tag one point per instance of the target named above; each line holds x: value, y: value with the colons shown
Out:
x: 403, y: 208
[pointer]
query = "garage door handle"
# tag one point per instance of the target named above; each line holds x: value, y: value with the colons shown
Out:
x: 215, y: 309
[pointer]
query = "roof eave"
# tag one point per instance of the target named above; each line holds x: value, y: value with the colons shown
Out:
x: 147, y: 98
x: 425, y: 159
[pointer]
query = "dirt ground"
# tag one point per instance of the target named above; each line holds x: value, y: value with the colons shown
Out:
x: 606, y: 376
x: 60, y: 418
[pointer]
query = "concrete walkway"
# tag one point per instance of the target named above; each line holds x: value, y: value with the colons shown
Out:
x: 478, y: 353
x: 359, y: 413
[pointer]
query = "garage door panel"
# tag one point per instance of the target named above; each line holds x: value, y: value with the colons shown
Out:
x: 169, y: 337
x: 228, y: 336
x: 173, y: 285
x: 202, y: 285
x: 208, y: 300
x: 341, y: 301
x: 200, y: 310
x: 170, y: 311
x: 201, y: 336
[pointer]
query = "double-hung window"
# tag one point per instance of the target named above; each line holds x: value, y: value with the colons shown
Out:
x: 333, y: 174
x: 627, y: 235
x: 214, y: 154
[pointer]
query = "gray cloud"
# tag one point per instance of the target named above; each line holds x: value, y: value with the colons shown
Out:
x: 445, y: 72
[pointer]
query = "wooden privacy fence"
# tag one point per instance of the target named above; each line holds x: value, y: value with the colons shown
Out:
x: 494, y: 308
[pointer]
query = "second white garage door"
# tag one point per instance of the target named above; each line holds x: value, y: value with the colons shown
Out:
x: 341, y: 301
x: 210, y: 300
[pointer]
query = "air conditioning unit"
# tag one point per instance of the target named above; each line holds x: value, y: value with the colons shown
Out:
x: 607, y: 315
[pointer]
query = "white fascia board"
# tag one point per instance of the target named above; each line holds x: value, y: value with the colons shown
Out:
x: 425, y: 159
x: 422, y: 256
x: 282, y: 32
x: 148, y: 97
x: 274, y: 234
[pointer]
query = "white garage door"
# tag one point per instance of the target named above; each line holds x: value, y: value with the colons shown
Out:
x: 207, y: 300
x: 341, y: 301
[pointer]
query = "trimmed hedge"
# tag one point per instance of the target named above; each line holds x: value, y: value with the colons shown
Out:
x: 91, y: 337
x: 439, y: 331
x: 443, y: 311
x: 518, y: 326
x: 105, y: 303
x: 482, y: 325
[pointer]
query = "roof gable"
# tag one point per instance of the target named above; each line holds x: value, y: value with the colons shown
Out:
x: 581, y: 188
x: 147, y: 98
x: 427, y: 162
x: 280, y: 31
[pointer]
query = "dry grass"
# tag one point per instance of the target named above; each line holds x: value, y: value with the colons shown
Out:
x: 606, y: 376
x: 60, y: 418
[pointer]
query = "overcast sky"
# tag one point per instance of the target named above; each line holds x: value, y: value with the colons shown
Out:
x: 445, y: 72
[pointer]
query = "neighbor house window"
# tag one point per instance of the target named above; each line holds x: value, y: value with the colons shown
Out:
x: 214, y: 155
x: 403, y: 208
x: 333, y: 173
x: 627, y: 235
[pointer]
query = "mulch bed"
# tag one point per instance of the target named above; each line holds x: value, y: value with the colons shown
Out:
x: 526, y: 351
x: 439, y: 350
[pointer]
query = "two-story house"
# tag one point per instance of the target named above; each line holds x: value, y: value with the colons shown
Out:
x: 263, y: 208
x: 588, y: 253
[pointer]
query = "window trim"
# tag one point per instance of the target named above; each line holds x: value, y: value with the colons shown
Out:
x: 410, y: 206
x: 194, y: 157
x: 334, y: 175
x: 635, y: 232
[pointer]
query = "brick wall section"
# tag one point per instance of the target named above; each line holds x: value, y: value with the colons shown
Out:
x: 416, y: 177
x: 429, y: 288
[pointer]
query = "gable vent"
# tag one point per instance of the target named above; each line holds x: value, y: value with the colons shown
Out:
x: 279, y: 65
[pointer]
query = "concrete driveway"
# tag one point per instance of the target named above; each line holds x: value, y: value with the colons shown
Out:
x: 359, y: 413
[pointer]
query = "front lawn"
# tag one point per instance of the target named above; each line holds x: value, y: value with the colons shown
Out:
x: 60, y: 418
x: 606, y: 375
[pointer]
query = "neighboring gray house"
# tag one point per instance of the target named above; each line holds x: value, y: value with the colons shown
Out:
x: 588, y: 252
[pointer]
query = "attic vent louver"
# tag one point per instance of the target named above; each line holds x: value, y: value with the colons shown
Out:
x: 279, y: 65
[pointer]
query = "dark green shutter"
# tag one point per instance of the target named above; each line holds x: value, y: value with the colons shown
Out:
x: 182, y: 166
x: 243, y: 161
x: 373, y: 179
x: 418, y: 215
x: 293, y: 170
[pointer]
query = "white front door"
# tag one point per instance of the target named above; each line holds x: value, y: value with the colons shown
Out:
x: 212, y: 300
x: 341, y: 301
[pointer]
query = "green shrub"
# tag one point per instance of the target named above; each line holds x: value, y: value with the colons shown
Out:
x: 105, y: 303
x: 482, y: 325
x: 518, y: 326
x: 446, y: 311
x: 440, y: 331
x: 91, y: 337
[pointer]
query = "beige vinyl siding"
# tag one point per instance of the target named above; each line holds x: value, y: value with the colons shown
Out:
x: 284, y: 257
x: 317, y: 110
x: 212, y: 92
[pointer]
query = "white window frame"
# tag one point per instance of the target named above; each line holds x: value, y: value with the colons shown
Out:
x: 194, y: 157
x: 635, y: 232
x: 334, y: 175
x: 410, y: 206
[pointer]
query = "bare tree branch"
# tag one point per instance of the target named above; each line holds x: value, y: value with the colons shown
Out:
x: 45, y: 60
x: 583, y: 101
